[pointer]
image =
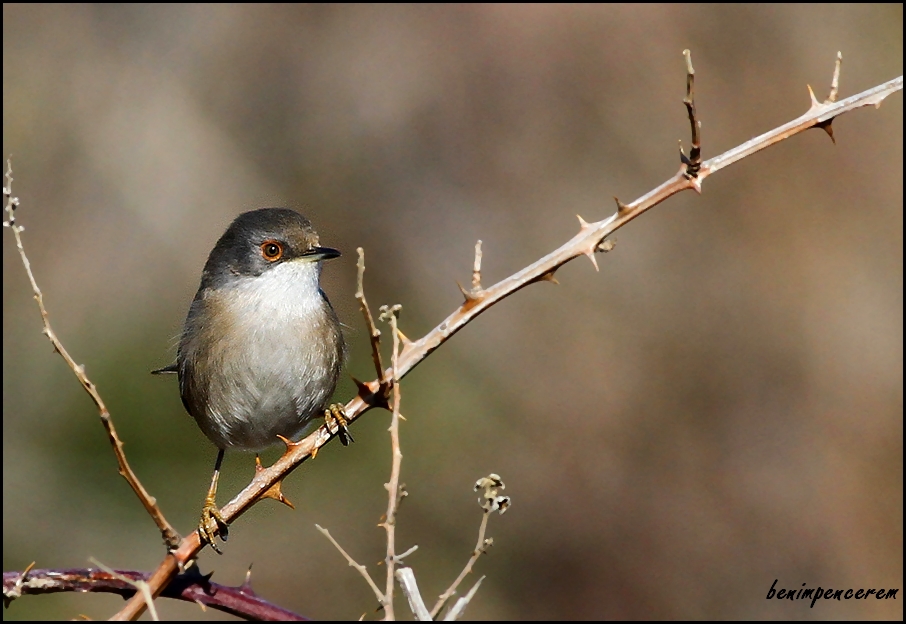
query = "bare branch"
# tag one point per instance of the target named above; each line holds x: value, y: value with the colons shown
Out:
x: 480, y: 548
x: 476, y: 270
x: 413, y: 352
x: 373, y: 332
x: 394, y: 496
x: 490, y: 501
x: 169, y: 534
x: 354, y: 564
x: 835, y: 81
x: 693, y: 163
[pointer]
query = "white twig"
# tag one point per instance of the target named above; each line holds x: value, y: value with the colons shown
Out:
x: 406, y: 578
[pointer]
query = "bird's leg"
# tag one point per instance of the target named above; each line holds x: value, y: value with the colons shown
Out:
x: 335, y: 413
x: 211, y: 521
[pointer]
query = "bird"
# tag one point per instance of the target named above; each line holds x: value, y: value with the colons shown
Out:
x: 262, y: 348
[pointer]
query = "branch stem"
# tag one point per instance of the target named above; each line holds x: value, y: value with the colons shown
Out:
x: 588, y: 239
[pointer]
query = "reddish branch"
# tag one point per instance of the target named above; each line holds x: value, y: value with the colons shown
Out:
x: 240, y: 601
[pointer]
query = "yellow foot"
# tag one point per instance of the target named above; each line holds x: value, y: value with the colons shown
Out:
x: 335, y: 413
x: 211, y: 524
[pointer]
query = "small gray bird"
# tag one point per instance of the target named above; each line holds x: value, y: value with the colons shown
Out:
x: 261, y: 350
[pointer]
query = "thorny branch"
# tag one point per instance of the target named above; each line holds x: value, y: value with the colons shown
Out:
x: 590, y: 238
x: 240, y: 601
x: 171, y: 537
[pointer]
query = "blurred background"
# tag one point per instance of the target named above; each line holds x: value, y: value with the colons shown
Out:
x: 719, y: 407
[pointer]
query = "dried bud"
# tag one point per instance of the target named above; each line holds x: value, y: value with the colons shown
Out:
x: 490, y: 500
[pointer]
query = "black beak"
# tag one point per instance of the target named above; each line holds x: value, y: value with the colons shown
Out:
x: 322, y: 253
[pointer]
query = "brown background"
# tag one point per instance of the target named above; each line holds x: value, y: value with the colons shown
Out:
x: 719, y: 407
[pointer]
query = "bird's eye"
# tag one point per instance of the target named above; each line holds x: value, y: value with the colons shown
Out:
x: 271, y: 250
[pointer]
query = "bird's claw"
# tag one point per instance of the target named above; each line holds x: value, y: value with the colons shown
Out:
x: 335, y: 414
x: 211, y: 524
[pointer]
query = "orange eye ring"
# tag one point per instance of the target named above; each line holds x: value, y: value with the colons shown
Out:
x: 271, y: 250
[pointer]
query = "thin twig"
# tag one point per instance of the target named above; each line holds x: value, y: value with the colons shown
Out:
x: 401, y: 556
x: 462, y: 603
x: 353, y: 563
x: 835, y: 81
x: 479, y: 550
x: 476, y: 270
x: 413, y: 352
x: 393, y: 486
x: 693, y: 162
x: 373, y: 332
x: 169, y: 534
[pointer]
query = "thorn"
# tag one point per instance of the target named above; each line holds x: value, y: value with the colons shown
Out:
x: 403, y: 338
x: 696, y: 185
x: 582, y: 222
x: 826, y: 126
x: 811, y: 95
x: 682, y: 154
x: 591, y: 256
x: 470, y: 298
x: 276, y: 492
x: 246, y: 587
x: 290, y: 445
x: 549, y: 277
x: 364, y: 390
x: 623, y: 209
x: 273, y: 491
x: 381, y: 397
